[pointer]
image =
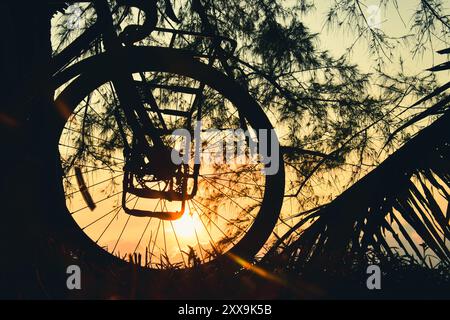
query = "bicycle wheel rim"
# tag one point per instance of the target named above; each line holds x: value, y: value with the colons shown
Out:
x: 176, y: 61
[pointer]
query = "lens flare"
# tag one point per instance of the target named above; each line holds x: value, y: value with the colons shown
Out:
x: 255, y: 269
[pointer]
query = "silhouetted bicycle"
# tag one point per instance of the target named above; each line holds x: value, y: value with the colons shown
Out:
x: 119, y: 109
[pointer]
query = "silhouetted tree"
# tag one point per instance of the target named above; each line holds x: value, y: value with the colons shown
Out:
x: 324, y: 103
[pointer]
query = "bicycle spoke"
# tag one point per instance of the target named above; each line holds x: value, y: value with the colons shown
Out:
x: 97, y: 202
x: 109, y: 212
x: 156, y: 237
x: 96, y: 184
x: 145, y: 229
x: 212, y: 221
x: 123, y: 229
x: 107, y: 226
x: 93, y: 170
x: 219, y: 215
x: 178, y: 243
x: 196, y: 235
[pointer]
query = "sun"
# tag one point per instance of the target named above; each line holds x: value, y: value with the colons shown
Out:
x: 189, y: 225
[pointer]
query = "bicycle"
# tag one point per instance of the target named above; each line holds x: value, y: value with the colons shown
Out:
x: 118, y: 111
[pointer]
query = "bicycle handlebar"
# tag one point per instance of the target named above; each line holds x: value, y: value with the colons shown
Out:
x: 134, y: 33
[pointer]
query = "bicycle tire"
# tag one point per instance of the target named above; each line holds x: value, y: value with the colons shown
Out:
x: 158, y: 59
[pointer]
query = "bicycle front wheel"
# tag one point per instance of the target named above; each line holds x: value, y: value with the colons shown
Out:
x: 236, y: 206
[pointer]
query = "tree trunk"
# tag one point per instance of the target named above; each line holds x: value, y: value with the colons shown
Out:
x: 29, y: 167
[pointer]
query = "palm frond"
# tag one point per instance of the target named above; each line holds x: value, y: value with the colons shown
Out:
x: 395, y: 209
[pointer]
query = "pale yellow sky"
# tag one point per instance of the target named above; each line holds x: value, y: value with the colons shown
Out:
x: 339, y: 39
